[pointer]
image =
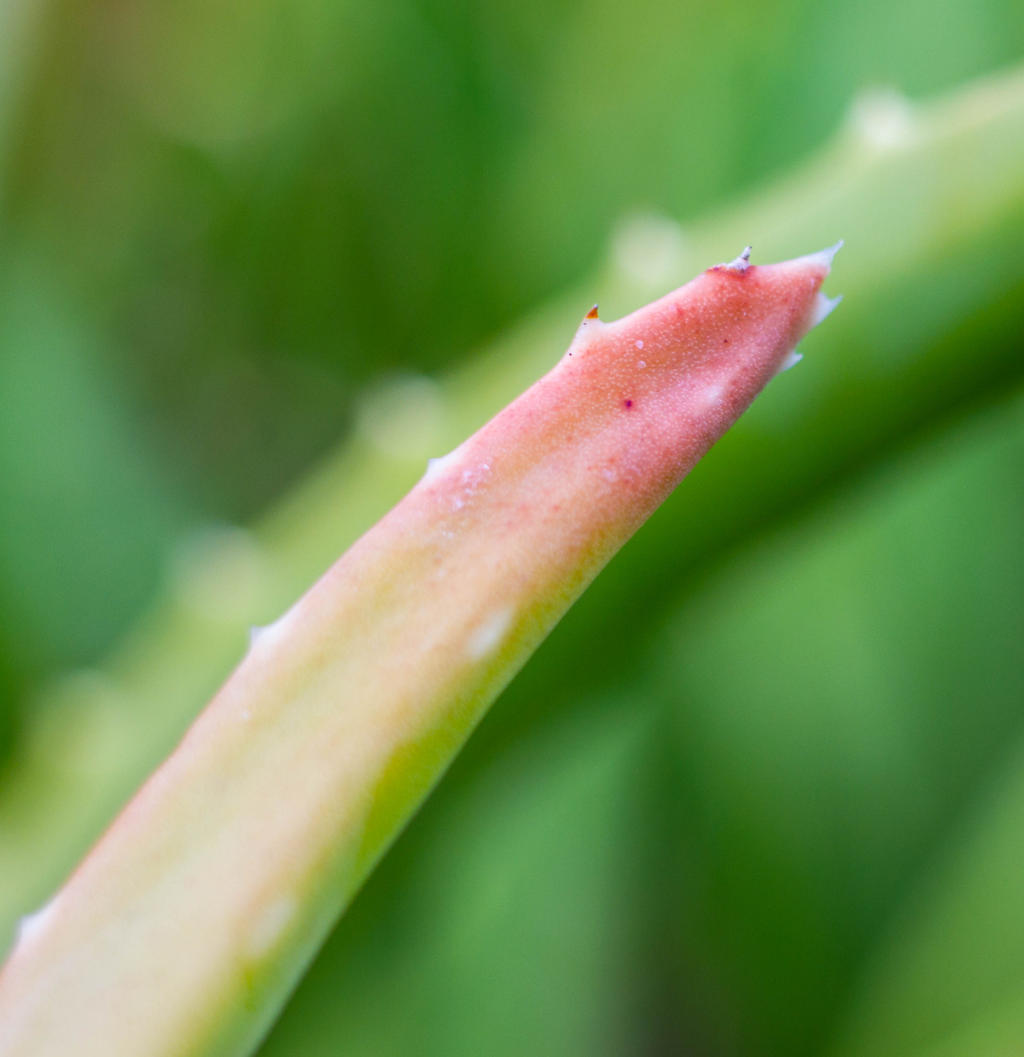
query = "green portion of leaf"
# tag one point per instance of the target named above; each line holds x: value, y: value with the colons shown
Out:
x: 515, y: 914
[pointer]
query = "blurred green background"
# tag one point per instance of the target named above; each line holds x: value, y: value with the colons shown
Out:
x: 763, y: 791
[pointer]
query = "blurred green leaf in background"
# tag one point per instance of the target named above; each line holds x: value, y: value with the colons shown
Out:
x: 762, y: 793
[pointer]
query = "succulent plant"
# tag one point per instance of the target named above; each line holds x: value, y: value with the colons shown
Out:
x: 184, y: 929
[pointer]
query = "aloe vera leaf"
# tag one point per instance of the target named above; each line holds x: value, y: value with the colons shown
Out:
x: 799, y: 796
x: 213, y: 889
x: 930, y: 325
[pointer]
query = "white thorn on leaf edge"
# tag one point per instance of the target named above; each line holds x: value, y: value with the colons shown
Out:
x: 824, y: 307
x: 438, y: 465
x: 590, y: 323
x: 265, y: 634
x: 825, y: 256
x: 33, y: 925
x: 791, y: 359
x: 741, y: 263
x: 829, y: 253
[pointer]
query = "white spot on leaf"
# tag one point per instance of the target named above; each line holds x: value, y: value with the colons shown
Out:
x: 470, y: 482
x: 486, y: 636
x: 883, y: 119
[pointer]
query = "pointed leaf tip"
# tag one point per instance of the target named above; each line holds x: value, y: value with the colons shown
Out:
x: 828, y: 255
